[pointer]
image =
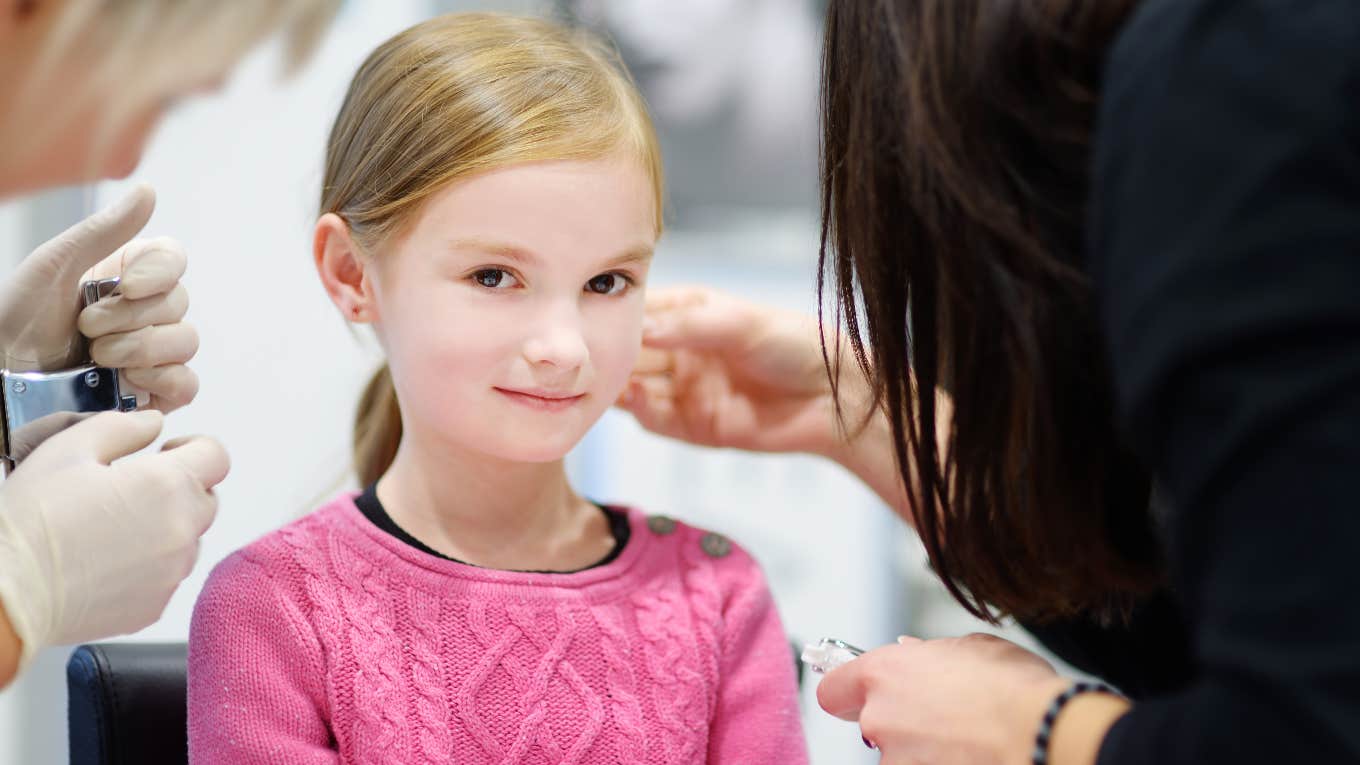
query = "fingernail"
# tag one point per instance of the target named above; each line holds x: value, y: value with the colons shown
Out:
x: 867, y: 742
x: 902, y: 639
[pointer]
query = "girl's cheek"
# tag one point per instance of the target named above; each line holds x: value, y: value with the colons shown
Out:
x: 621, y: 352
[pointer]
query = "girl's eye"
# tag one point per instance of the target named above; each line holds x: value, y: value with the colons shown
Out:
x: 608, y: 284
x: 494, y: 278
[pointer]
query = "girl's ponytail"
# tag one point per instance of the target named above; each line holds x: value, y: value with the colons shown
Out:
x: 377, y: 428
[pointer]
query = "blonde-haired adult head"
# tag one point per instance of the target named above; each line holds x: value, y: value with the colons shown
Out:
x: 83, y: 81
x: 456, y: 96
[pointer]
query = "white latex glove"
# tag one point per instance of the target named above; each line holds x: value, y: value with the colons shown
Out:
x: 140, y: 331
x: 90, y: 549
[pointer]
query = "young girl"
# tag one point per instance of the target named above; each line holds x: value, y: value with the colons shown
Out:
x: 491, y: 199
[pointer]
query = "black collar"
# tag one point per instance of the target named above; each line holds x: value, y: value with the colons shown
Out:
x: 374, y: 511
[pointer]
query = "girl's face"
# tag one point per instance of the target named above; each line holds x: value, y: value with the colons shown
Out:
x: 511, y: 311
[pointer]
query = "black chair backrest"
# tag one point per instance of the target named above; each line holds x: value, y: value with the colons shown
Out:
x: 127, y: 704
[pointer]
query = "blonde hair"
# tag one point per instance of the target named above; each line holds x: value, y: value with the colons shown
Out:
x: 138, y: 49
x: 458, y: 95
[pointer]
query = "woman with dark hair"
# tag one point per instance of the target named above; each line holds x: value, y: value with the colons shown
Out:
x: 1097, y: 265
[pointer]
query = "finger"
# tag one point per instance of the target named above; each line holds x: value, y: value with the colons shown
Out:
x: 127, y: 388
x: 652, y: 361
x: 145, y: 267
x: 106, y: 436
x: 187, y: 467
x: 843, y: 690
x: 23, y: 440
x: 625, y: 396
x: 170, y: 386
x: 700, y: 326
x: 651, y: 401
x: 79, y: 247
x: 201, y: 456
x: 146, y: 347
x: 663, y: 299
x: 123, y: 313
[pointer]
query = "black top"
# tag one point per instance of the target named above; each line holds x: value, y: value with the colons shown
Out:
x: 373, y: 510
x: 1225, y: 252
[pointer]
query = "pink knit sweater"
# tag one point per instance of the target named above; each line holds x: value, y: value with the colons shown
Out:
x: 332, y: 641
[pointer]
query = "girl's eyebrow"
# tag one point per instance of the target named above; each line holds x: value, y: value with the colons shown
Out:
x: 499, y: 249
x: 637, y: 254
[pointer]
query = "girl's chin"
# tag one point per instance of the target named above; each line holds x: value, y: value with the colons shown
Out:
x: 542, y: 454
x: 538, y: 451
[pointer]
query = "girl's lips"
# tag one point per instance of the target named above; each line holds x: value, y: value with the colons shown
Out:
x: 544, y: 403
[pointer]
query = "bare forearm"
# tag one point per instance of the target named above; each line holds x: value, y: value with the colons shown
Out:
x: 869, y: 451
x: 869, y: 455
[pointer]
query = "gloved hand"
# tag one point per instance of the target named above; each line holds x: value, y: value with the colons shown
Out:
x: 90, y: 549
x: 140, y: 331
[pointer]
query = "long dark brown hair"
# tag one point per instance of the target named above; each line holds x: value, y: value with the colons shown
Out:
x: 956, y: 139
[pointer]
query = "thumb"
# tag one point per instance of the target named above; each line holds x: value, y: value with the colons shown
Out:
x: 201, y: 456
x: 842, y: 692
x: 78, y: 248
x: 105, y: 436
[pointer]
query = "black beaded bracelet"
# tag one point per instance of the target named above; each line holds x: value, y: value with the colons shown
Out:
x: 1051, y: 716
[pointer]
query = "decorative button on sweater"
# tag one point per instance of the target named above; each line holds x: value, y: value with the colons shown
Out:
x: 661, y: 524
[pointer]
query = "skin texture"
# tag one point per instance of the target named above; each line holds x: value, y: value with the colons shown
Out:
x: 522, y: 280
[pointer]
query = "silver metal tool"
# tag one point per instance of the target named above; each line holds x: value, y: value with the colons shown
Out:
x: 37, y: 405
x: 828, y: 653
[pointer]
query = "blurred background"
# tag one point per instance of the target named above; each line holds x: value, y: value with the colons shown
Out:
x: 733, y: 87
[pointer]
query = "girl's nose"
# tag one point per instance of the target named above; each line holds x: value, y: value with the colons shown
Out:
x: 558, y: 341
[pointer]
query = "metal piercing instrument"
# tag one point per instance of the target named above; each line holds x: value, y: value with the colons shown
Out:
x: 39, y: 404
x: 828, y: 653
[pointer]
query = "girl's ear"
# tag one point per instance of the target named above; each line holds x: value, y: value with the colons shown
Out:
x: 341, y: 268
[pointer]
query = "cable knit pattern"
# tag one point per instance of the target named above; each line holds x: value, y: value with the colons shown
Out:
x: 377, y: 651
x: 427, y: 677
x: 331, y: 641
x: 618, y: 653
